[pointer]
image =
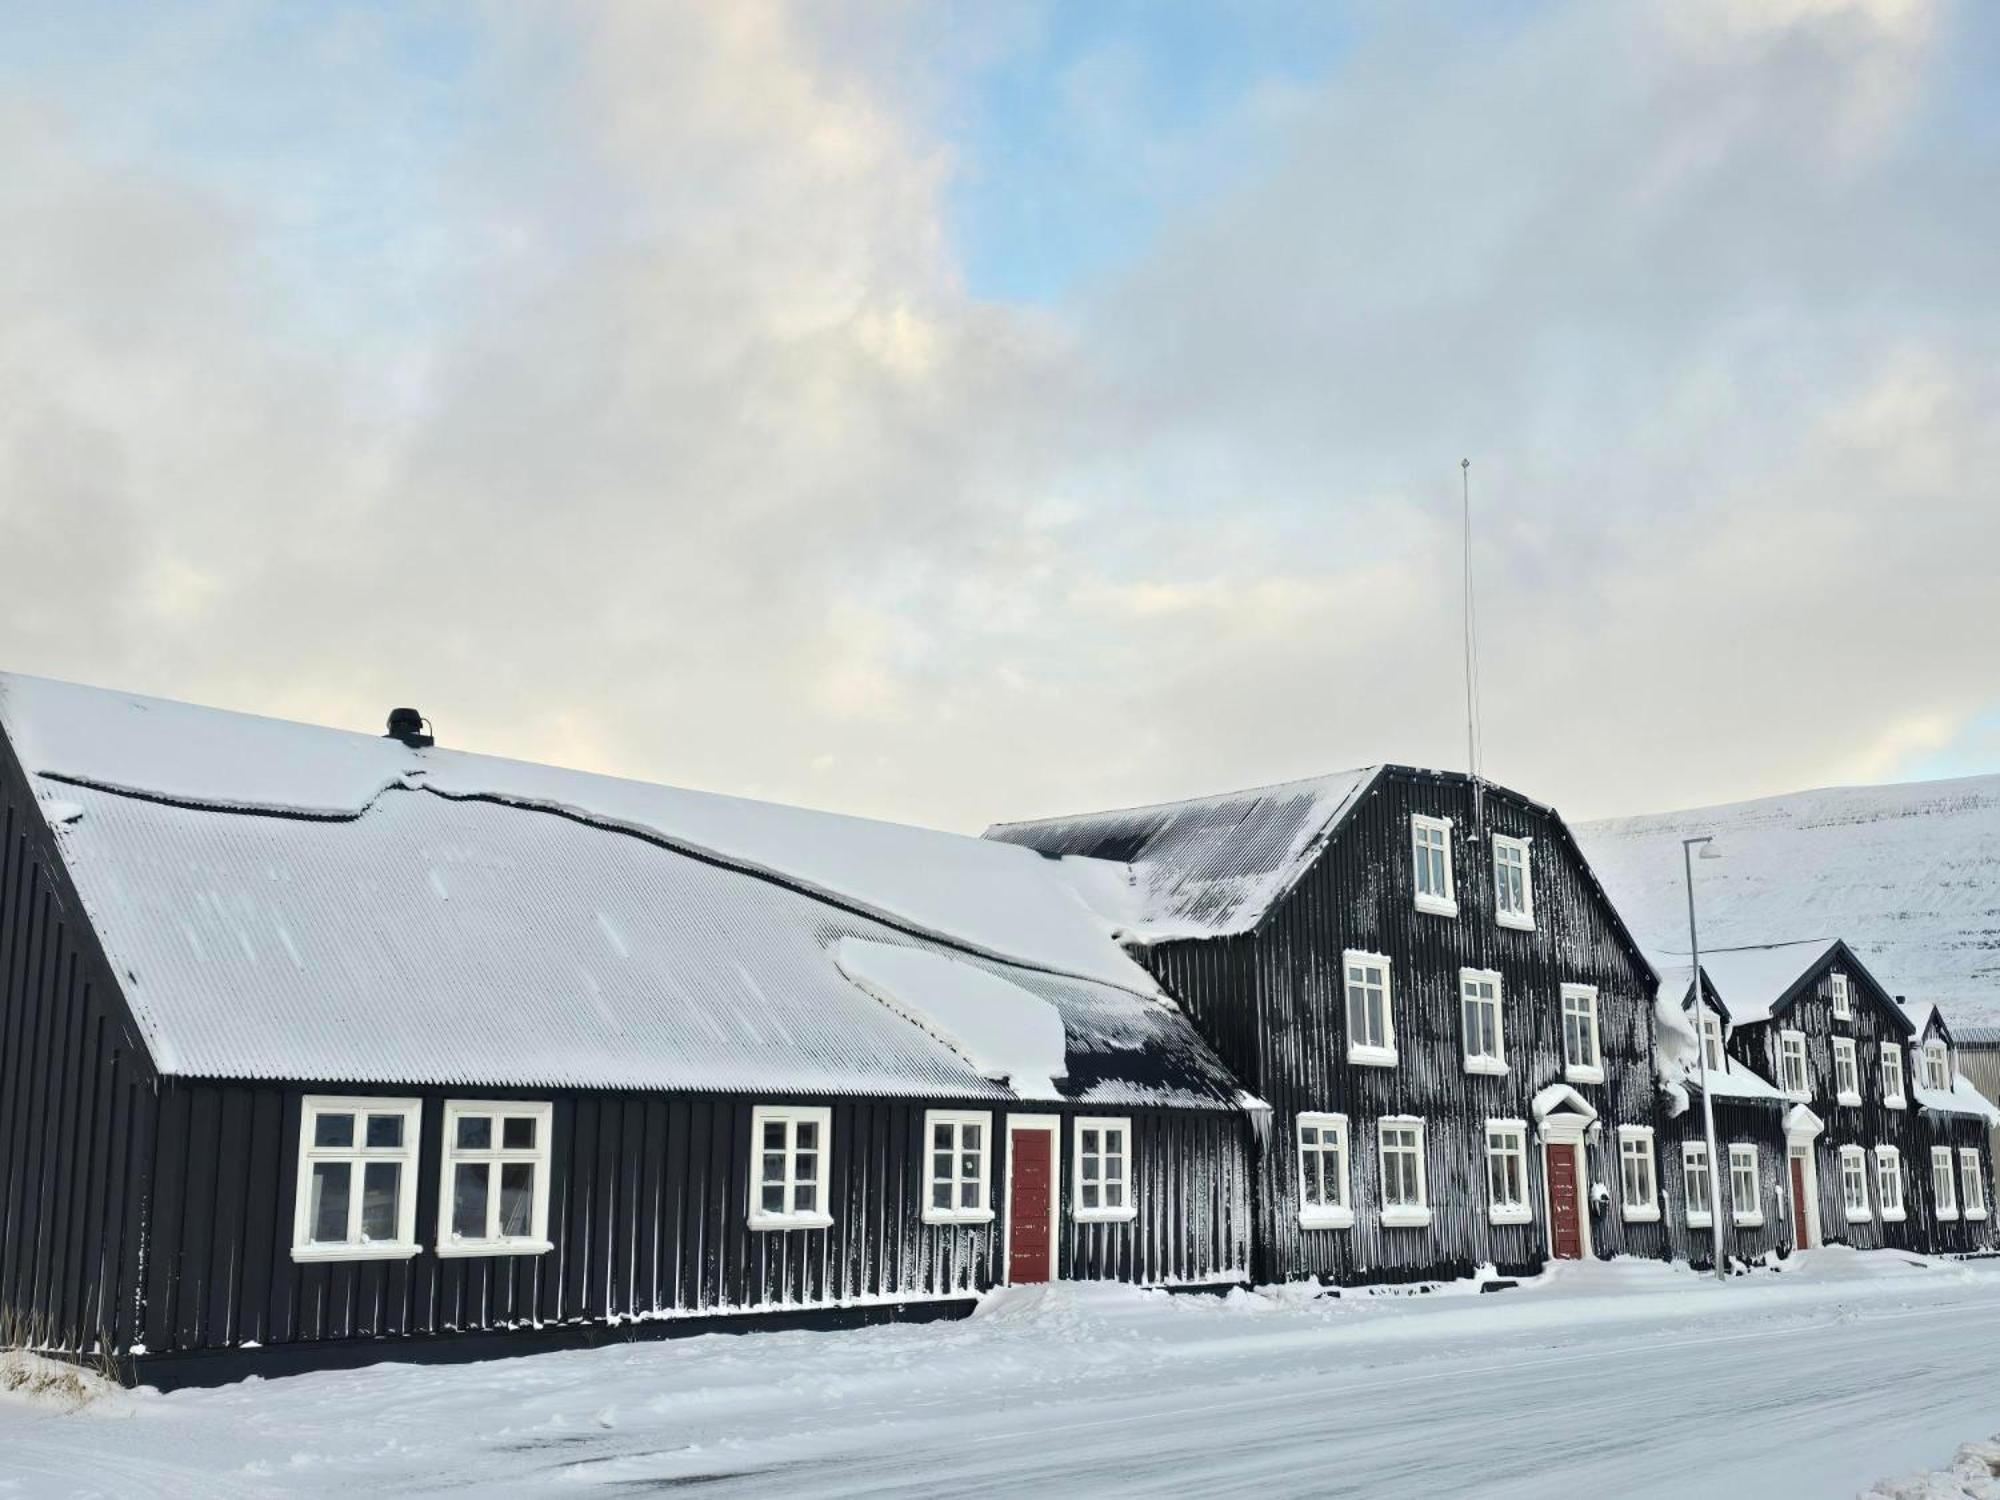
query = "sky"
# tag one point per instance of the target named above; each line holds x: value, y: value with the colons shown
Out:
x: 954, y: 413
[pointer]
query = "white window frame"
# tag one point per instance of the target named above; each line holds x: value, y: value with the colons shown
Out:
x: 1445, y: 905
x: 357, y: 1246
x: 1120, y: 1126
x: 955, y: 1120
x: 1495, y: 1063
x: 536, y: 1240
x: 1646, y: 1209
x: 1522, y: 920
x: 1508, y: 1139
x: 1717, y: 1055
x: 1741, y: 1152
x: 1573, y: 1071
x: 1937, y: 1066
x: 1972, y: 1183
x: 1892, y: 1070
x: 1843, y: 998
x: 1694, y: 1158
x: 1787, y: 1041
x: 1369, y: 1054
x: 1324, y: 1215
x: 1846, y: 1071
x: 1944, y: 1183
x: 1889, y: 1169
x: 791, y: 1116
x: 1853, y: 1173
x: 1403, y: 1215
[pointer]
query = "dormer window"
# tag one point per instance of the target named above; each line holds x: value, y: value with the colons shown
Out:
x: 1513, y: 888
x: 1430, y: 847
x: 1711, y: 1042
x: 1937, y: 1066
x: 1843, y: 999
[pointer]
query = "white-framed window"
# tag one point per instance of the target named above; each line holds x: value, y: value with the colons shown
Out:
x: 1843, y: 999
x: 791, y: 1143
x: 1889, y: 1182
x: 1974, y: 1183
x: 1507, y: 1172
x: 1793, y: 1077
x: 1479, y: 1014
x: 1937, y: 1066
x: 1513, y: 885
x: 1103, y: 1169
x: 1846, y: 1071
x: 1638, y: 1183
x: 1711, y: 1042
x: 1892, y: 1077
x: 357, y: 1194
x: 1324, y: 1200
x: 1745, y: 1205
x: 1699, y: 1184
x: 1854, y: 1184
x: 1430, y: 845
x: 493, y: 1182
x: 1406, y: 1200
x: 1583, y: 1057
x: 959, y: 1149
x: 1944, y: 1182
x: 1371, y: 1011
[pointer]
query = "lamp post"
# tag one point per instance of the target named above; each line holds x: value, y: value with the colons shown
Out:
x: 1707, y: 843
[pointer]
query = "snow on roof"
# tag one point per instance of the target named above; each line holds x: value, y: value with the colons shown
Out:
x: 1908, y: 875
x: 1920, y: 1014
x: 1738, y: 1082
x: 1750, y: 981
x: 1205, y: 867
x: 472, y: 921
x: 1960, y: 1099
x: 1004, y: 1032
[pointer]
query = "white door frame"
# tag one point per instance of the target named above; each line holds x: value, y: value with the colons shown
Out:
x: 1558, y: 1133
x: 1802, y: 1129
x: 1053, y: 1125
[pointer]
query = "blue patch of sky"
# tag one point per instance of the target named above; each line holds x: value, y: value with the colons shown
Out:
x: 1974, y: 751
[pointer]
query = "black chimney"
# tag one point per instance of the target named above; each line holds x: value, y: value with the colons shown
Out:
x: 407, y: 725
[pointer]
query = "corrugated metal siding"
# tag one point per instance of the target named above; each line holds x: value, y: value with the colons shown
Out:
x: 1736, y: 1123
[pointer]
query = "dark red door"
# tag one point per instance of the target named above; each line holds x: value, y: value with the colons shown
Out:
x: 1028, y: 1198
x: 1799, y: 1203
x: 1565, y: 1217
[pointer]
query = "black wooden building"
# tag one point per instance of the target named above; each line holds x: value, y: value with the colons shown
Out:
x: 342, y: 1047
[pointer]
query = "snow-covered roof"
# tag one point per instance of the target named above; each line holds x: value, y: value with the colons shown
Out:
x: 1205, y: 867
x: 1960, y: 1099
x: 1908, y: 875
x: 287, y: 901
x: 1920, y: 1014
x: 1738, y: 1082
x: 1751, y: 982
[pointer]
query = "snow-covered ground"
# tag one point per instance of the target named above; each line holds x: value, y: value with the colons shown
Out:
x: 1628, y: 1379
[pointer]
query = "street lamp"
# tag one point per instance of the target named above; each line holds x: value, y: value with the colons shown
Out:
x: 1707, y: 845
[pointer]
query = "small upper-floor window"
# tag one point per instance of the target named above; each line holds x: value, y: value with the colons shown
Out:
x: 1794, y: 1078
x: 1745, y: 1206
x: 1846, y: 1071
x: 1507, y: 1172
x: 1843, y: 999
x: 1711, y: 1042
x: 1323, y: 1192
x: 356, y: 1197
x: 961, y: 1156
x: 1892, y: 1076
x: 1639, y: 1189
x: 1889, y: 1182
x: 1479, y: 1007
x: 789, y: 1187
x: 1937, y: 1066
x: 1406, y: 1200
x: 1104, y: 1169
x: 1430, y: 845
x: 1944, y: 1182
x: 1974, y: 1184
x: 494, y: 1196
x: 1700, y: 1184
x: 1854, y: 1184
x: 1371, y: 1018
x: 1583, y: 1058
x: 1513, y: 887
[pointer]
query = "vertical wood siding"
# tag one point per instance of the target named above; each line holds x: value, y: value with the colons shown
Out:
x: 1737, y: 1123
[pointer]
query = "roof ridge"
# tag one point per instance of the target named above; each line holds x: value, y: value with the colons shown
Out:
x: 1180, y: 802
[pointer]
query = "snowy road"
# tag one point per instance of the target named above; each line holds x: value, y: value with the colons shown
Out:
x: 1628, y: 1380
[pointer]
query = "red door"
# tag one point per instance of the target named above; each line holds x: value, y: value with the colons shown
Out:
x: 1028, y: 1199
x: 1799, y: 1203
x: 1565, y: 1217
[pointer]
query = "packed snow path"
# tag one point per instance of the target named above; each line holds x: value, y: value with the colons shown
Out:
x: 1626, y: 1379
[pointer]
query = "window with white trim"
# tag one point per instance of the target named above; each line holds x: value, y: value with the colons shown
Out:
x: 960, y: 1153
x: 1371, y: 1016
x: 1745, y: 1205
x: 1944, y: 1182
x: 1792, y: 1074
x: 1583, y: 1057
x: 1843, y: 999
x: 1937, y: 1066
x: 792, y: 1143
x: 1507, y: 1172
x: 1713, y: 1056
x: 356, y: 1197
x: 1479, y: 1014
x: 1846, y: 1071
x: 1406, y: 1200
x: 1638, y: 1184
x: 1889, y: 1182
x: 1854, y: 1184
x: 1103, y: 1169
x: 1323, y: 1194
x: 1892, y: 1077
x: 1513, y: 887
x: 1974, y: 1183
x: 1430, y: 847
x: 1698, y: 1184
x: 493, y: 1187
